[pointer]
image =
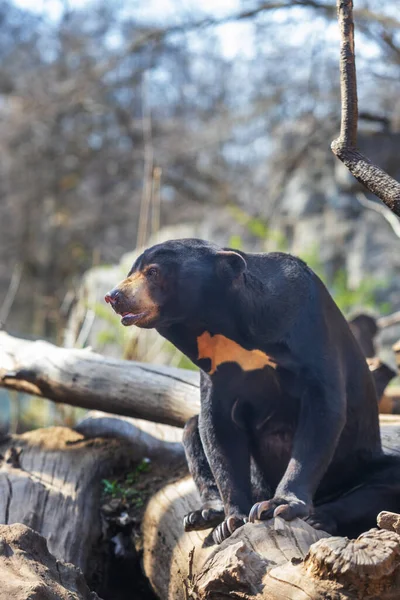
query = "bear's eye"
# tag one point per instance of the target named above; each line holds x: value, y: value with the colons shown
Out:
x: 152, y: 273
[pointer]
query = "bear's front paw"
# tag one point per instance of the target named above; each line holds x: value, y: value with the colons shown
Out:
x: 287, y: 507
x: 227, y: 527
x: 205, y: 518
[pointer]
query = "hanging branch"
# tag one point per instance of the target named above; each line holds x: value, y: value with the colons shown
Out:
x: 344, y: 147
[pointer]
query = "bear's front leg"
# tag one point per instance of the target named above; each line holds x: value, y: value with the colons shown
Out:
x: 226, y: 447
x: 321, y: 421
x: 211, y: 512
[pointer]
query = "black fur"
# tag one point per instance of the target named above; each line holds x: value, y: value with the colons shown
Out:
x: 302, y: 438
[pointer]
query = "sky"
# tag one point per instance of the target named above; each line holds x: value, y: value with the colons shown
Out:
x: 165, y: 8
x: 235, y: 38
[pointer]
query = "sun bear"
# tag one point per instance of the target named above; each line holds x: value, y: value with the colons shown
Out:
x: 288, y: 423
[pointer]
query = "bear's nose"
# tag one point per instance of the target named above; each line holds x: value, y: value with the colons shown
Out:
x: 112, y: 297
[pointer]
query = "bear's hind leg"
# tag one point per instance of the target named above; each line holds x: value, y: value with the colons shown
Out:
x: 212, y: 511
x: 356, y: 510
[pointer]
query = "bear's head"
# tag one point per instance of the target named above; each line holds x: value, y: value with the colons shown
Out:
x: 176, y: 281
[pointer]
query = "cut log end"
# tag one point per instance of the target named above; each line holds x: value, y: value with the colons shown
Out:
x: 373, y: 555
x: 389, y: 521
x: 367, y: 567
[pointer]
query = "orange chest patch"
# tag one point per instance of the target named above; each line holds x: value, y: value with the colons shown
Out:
x: 220, y: 349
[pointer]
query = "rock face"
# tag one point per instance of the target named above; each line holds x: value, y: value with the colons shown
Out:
x: 28, y: 570
x: 317, y: 204
x: 324, y: 212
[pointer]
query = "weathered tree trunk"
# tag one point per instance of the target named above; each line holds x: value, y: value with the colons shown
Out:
x: 28, y: 570
x: 83, y: 378
x: 367, y: 568
x: 181, y: 564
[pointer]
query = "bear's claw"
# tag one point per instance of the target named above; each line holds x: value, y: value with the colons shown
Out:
x: 285, y: 508
x: 205, y: 518
x: 227, y: 527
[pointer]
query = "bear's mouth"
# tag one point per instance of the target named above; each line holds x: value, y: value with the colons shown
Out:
x: 129, y: 318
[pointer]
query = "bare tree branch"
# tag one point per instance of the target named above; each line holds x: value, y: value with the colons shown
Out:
x: 389, y: 320
x: 382, y: 210
x: 344, y: 147
x: 10, y: 295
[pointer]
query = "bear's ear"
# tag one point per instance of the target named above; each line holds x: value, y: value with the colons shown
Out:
x: 230, y: 263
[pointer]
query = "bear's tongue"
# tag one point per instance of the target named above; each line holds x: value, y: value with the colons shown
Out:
x: 129, y: 318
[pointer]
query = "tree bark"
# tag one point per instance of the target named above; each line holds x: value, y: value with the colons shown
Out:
x: 341, y: 569
x: 344, y: 147
x: 83, y: 378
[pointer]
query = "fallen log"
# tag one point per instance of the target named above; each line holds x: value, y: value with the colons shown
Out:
x: 50, y: 480
x: 272, y: 560
x: 154, y: 440
x: 28, y: 570
x: 83, y: 378
x: 180, y: 565
x: 366, y: 568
